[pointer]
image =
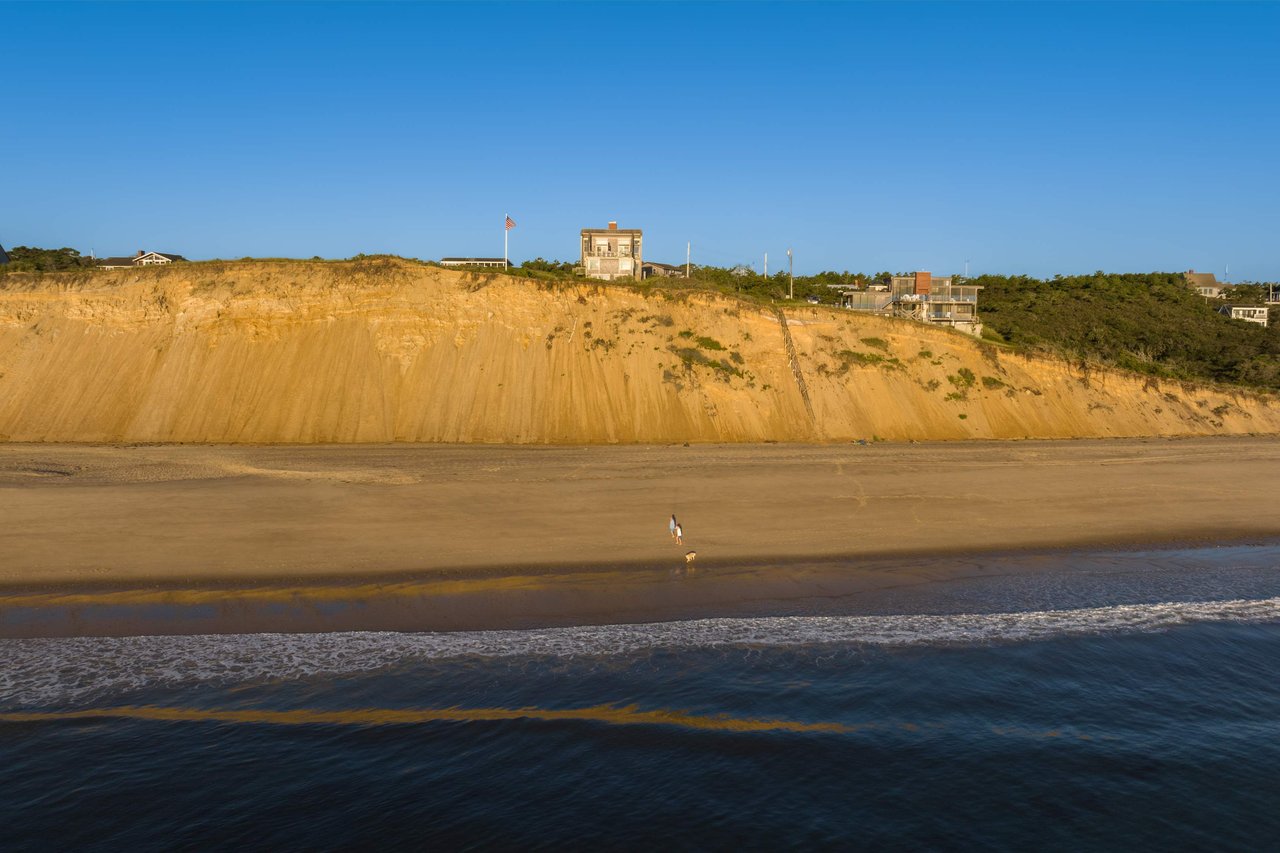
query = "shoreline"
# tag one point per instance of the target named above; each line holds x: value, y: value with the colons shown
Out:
x: 498, y: 599
x: 480, y: 575
x: 549, y: 535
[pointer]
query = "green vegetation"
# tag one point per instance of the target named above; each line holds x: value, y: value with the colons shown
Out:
x: 848, y: 357
x: 1149, y: 323
x: 877, y: 343
x: 740, y: 280
x: 541, y: 265
x: 29, y: 259
x: 692, y: 356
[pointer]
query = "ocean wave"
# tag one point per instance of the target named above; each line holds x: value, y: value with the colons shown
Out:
x: 38, y: 672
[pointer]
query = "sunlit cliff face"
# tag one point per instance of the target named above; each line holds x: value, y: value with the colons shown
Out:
x: 301, y: 352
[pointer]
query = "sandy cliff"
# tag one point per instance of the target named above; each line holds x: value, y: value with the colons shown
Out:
x: 391, y: 351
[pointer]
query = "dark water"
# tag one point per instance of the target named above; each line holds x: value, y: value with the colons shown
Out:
x: 1113, y: 703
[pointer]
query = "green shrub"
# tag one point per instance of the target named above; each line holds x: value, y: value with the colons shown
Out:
x: 849, y: 357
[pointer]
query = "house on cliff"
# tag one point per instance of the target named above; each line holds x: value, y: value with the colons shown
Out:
x: 939, y: 301
x: 1203, y: 283
x: 1248, y: 313
x: 142, y: 259
x: 612, y: 252
x: 653, y: 269
x: 484, y: 263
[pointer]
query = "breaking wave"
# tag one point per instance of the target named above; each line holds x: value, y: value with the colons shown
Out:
x: 49, y: 671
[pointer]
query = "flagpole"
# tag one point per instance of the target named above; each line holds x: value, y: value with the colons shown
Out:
x: 505, y: 231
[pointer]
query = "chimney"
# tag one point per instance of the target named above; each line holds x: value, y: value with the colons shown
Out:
x: 140, y: 254
x: 613, y: 226
x: 924, y: 281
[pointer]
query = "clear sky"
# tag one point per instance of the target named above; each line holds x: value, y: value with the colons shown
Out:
x: 1023, y: 138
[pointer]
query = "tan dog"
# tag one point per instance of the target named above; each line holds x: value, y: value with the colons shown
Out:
x: 690, y: 557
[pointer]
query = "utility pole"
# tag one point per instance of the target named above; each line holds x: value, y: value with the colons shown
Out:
x: 766, y: 264
x: 688, y: 252
x: 791, y: 275
x: 966, y: 269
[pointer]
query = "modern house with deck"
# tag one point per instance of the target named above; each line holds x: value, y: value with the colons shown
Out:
x: 1248, y: 313
x: 922, y: 297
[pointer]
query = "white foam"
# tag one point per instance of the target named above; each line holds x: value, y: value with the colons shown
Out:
x: 54, y: 671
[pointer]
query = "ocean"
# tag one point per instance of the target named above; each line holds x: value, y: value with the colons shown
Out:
x: 1096, y: 701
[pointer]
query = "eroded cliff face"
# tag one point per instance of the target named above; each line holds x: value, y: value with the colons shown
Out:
x: 392, y: 351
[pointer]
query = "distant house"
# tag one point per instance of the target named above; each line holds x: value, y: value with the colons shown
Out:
x: 499, y: 263
x: 1203, y: 283
x: 142, y: 259
x: 4, y: 256
x: 653, y: 269
x: 612, y: 252
x: 1248, y: 313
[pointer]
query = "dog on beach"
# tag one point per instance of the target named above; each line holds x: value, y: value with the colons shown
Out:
x: 690, y: 556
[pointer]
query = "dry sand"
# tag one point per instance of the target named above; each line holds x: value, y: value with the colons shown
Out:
x: 82, y: 514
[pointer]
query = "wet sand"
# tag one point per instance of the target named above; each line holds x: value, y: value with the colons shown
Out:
x: 542, y: 535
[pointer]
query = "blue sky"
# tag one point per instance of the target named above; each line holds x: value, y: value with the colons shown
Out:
x: 1022, y: 138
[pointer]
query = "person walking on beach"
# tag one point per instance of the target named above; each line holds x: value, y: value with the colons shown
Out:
x: 671, y: 526
x: 679, y: 534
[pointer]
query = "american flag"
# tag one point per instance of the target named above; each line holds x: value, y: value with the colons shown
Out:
x: 511, y: 223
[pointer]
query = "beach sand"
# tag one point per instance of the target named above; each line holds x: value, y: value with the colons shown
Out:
x: 539, y: 535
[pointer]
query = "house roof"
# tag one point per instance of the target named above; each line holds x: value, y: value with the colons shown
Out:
x: 1201, y: 279
x: 133, y: 259
x: 664, y: 266
x: 4, y: 256
x: 586, y: 231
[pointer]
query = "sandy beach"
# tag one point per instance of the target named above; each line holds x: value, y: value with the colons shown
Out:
x: 81, y: 514
x: 542, y: 534
x: 94, y: 515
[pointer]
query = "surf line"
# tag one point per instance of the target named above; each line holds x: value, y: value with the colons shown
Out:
x: 612, y: 714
